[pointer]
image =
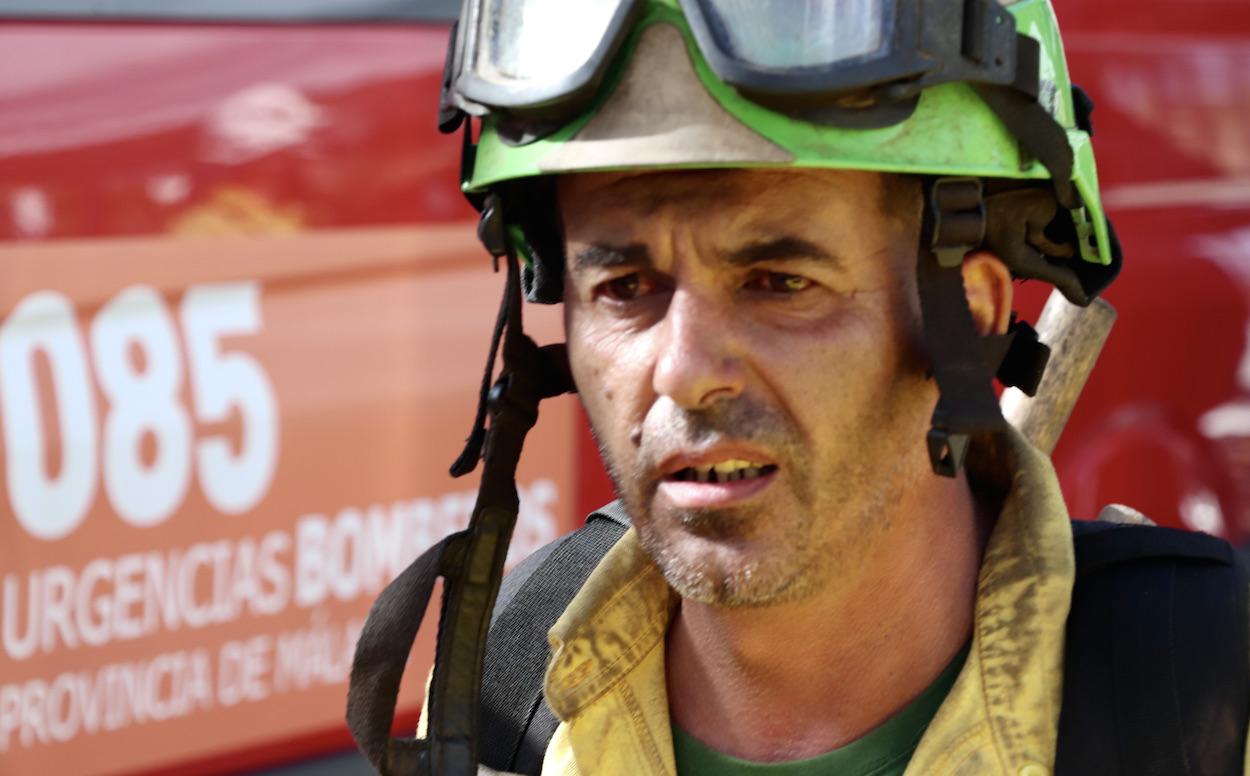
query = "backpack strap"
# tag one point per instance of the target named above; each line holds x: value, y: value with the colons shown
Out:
x: 515, y: 719
x: 1157, y: 664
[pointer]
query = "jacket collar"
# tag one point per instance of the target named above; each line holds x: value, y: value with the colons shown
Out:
x: 1012, y: 683
x: 620, y: 614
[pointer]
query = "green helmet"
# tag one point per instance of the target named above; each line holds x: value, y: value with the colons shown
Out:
x: 656, y: 101
x: 971, y: 96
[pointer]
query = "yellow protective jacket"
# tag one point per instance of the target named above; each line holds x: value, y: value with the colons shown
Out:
x: 606, y: 679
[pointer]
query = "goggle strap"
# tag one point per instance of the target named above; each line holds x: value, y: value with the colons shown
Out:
x: 1038, y: 134
x: 1028, y: 76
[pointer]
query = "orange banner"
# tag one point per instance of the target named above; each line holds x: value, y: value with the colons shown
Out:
x: 216, y: 450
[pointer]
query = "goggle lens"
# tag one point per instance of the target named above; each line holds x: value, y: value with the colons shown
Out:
x: 539, y: 40
x: 795, y: 34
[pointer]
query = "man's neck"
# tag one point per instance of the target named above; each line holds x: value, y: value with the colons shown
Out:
x: 799, y: 679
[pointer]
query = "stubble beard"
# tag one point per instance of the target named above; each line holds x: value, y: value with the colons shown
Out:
x: 807, y: 553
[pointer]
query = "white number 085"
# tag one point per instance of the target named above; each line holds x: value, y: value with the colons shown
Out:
x: 142, y: 397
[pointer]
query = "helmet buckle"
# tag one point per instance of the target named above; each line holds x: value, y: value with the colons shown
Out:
x: 947, y: 451
x: 957, y: 209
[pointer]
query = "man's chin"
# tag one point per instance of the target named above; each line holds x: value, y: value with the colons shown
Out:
x: 733, y: 590
x: 729, y: 572
x: 729, y: 526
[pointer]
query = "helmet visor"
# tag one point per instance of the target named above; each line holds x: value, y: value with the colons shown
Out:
x: 784, y: 35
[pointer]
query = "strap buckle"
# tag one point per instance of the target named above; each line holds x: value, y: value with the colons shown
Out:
x: 947, y: 450
x: 957, y: 209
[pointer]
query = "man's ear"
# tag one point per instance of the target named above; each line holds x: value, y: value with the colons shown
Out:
x: 987, y: 282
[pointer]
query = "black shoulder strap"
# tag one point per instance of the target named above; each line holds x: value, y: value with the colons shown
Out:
x: 515, y: 721
x: 1157, y: 669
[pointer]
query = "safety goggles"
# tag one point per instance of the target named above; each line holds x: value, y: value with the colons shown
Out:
x: 544, y: 60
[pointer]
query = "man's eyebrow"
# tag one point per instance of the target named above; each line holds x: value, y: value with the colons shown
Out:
x: 608, y: 256
x: 782, y: 249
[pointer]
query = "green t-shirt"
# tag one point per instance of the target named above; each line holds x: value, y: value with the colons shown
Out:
x: 884, y: 751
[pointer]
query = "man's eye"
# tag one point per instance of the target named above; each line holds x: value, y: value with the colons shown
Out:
x: 779, y: 283
x: 626, y: 287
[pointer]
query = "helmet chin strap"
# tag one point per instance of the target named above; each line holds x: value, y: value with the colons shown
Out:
x: 471, y: 563
x: 963, y: 361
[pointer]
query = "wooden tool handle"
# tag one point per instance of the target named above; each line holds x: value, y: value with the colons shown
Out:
x: 1075, y: 336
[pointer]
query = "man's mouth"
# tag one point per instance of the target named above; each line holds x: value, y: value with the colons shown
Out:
x: 708, y: 483
x: 733, y: 470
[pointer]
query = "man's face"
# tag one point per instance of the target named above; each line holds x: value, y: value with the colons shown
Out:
x: 763, y: 324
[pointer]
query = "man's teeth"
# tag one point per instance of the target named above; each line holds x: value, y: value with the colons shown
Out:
x: 724, y: 471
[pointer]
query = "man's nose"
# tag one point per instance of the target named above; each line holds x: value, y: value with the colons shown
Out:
x: 697, y: 363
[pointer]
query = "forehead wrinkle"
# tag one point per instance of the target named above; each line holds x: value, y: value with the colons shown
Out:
x: 732, y: 207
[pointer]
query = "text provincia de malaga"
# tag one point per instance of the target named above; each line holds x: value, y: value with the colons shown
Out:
x: 59, y: 610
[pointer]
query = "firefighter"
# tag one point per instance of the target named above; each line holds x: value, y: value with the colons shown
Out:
x: 785, y: 236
